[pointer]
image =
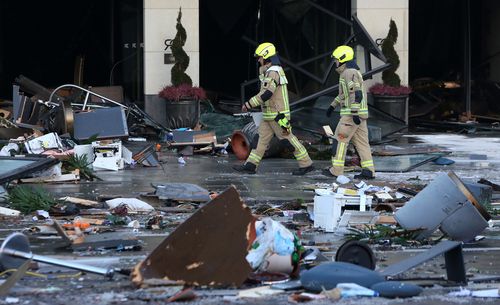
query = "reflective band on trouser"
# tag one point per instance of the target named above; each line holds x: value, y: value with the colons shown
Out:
x: 254, y: 158
x: 339, y: 159
x: 300, y: 152
x: 367, y: 164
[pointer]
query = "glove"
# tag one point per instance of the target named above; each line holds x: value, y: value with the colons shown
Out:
x: 282, y: 121
x: 356, y: 119
x: 329, y: 111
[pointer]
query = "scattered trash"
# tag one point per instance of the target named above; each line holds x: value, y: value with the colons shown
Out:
x: 181, y: 192
x: 443, y: 161
x: 343, y: 179
x: 275, y: 248
x: 486, y: 293
x: 350, y: 290
x: 9, y: 212
x: 132, y: 204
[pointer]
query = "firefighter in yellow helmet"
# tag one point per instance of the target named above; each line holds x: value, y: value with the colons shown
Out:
x: 352, y: 126
x: 273, y: 100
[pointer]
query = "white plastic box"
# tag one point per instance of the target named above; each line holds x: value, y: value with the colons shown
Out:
x: 328, y: 208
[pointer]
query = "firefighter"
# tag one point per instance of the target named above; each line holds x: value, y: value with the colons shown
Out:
x: 352, y: 126
x: 273, y: 100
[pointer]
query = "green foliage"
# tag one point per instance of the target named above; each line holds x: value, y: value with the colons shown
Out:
x: 92, y: 138
x: 178, y: 74
x: 29, y: 199
x: 389, y: 76
x: 383, y: 233
x: 82, y: 164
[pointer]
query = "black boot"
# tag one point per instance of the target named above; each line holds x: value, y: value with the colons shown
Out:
x: 303, y: 170
x: 326, y: 172
x: 365, y: 174
x: 247, y: 167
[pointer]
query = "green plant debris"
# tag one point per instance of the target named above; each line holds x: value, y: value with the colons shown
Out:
x: 82, y: 164
x: 382, y: 234
x: 29, y: 199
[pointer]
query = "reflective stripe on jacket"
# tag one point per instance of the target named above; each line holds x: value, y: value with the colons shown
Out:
x: 272, y: 79
x: 350, y: 82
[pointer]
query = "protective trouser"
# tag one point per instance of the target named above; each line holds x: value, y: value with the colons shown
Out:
x: 346, y: 132
x: 267, y: 130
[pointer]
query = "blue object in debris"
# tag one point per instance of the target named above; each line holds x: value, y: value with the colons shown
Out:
x: 443, y: 161
x: 394, y: 289
x: 328, y: 275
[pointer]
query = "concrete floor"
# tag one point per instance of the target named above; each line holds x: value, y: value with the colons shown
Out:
x: 273, y: 183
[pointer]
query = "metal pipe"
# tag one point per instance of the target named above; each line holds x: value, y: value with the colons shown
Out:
x: 57, y: 262
x: 88, y: 92
x: 335, y: 87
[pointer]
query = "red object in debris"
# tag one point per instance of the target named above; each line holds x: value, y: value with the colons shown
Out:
x: 240, y: 145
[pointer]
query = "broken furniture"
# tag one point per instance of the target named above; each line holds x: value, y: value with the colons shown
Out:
x: 445, y: 203
x: 12, y: 168
x: 107, y: 155
x: 328, y: 208
x: 46, y: 110
x: 187, y: 140
x: 101, y: 123
x: 209, y: 248
x: 454, y: 261
x: 15, y: 250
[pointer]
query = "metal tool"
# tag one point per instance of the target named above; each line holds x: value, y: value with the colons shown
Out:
x: 15, y: 250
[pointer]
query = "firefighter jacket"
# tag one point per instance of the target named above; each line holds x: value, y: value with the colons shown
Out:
x: 273, y: 94
x: 352, y: 94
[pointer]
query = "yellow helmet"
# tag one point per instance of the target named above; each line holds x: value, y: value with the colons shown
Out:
x: 343, y: 53
x: 265, y: 50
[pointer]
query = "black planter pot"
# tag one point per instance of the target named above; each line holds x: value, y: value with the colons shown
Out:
x: 397, y: 106
x: 182, y: 113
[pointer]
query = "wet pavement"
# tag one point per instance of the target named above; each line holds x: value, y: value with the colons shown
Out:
x: 272, y: 184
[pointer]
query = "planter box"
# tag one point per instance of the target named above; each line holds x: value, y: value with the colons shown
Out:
x: 178, y: 114
x: 397, y: 106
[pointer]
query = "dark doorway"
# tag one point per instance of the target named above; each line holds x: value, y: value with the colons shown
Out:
x: 298, y: 29
x: 455, y: 43
x: 43, y: 39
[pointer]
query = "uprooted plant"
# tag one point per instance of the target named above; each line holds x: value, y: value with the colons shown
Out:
x: 377, y: 234
x: 82, y: 164
x: 29, y: 199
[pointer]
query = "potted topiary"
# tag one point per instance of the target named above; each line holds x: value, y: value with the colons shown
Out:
x: 391, y: 96
x: 181, y: 98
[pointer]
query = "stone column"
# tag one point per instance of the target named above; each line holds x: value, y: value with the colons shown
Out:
x: 375, y: 15
x: 160, y: 18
